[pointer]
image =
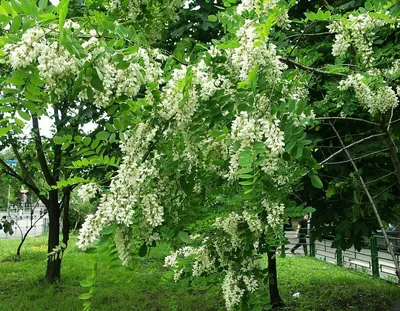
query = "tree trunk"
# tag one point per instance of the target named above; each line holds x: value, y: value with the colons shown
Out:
x: 65, y: 207
x: 393, y: 153
x: 275, y: 298
x: 53, y: 271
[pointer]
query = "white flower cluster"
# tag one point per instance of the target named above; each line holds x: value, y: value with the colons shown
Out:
x: 153, y: 212
x: 376, y: 101
x: 230, y: 225
x: 358, y: 30
x: 340, y: 46
x: 203, y: 263
x: 260, y: 6
x: 199, y: 85
x: 28, y: 49
x: 186, y: 251
x: 253, y: 222
x: 117, y: 82
x: 231, y: 290
x: 253, y: 52
x: 88, y: 191
x: 247, y: 130
x: 123, y: 244
x: 275, y: 214
x: 54, y: 62
x: 394, y: 68
x: 118, y: 205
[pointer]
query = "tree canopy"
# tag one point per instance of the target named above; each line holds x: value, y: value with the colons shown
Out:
x: 217, y: 132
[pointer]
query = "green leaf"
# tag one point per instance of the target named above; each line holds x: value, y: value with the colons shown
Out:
x: 8, y: 100
x: 87, y: 141
x: 246, y: 183
x: 65, y: 145
x: 103, y: 135
x: 123, y: 65
x: 15, y: 81
x: 316, y: 181
x: 107, y: 230
x: 290, y: 145
x: 97, y: 84
x: 246, y: 176
x: 16, y: 23
x: 62, y: 13
x: 24, y: 115
x: 16, y: 6
x: 110, y: 127
x: 87, y: 283
x: 86, y: 296
x: 36, y: 80
x: 245, y: 170
x: 184, y: 236
x: 143, y: 250
x: 19, y: 122
x: 95, y: 143
x: 212, y: 18
x: 4, y: 130
x: 6, y: 5
x: 58, y: 140
x: 32, y: 98
x: 34, y: 90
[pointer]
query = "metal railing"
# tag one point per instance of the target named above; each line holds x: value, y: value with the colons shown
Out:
x: 373, y: 259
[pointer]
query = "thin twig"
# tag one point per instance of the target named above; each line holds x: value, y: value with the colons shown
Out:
x: 310, y: 34
x: 348, y: 146
x: 347, y: 118
x: 310, y: 69
x: 359, y: 158
x: 382, y: 177
x: 390, y: 120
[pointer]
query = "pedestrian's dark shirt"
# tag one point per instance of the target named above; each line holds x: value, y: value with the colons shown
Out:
x: 303, y: 227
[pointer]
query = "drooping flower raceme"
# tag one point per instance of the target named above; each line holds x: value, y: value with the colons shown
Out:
x: 358, y: 30
x: 247, y: 131
x: 119, y: 204
x: 376, y: 101
x: 88, y: 191
x: 253, y: 52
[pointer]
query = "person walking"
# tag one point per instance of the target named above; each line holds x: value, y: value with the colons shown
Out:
x: 301, y: 233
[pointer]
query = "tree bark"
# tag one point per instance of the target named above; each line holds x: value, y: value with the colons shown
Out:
x: 65, y: 208
x: 392, y: 152
x: 53, y: 271
x: 275, y: 298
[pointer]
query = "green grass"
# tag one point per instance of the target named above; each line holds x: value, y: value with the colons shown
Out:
x: 322, y: 286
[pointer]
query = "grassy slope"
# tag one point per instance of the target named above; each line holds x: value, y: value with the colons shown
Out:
x: 322, y: 286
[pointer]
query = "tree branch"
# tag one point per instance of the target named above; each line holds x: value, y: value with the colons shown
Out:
x: 24, y: 169
x: 57, y: 148
x: 390, y: 247
x: 347, y: 118
x: 154, y: 143
x: 309, y: 69
x: 382, y: 177
x: 8, y: 170
x: 310, y: 35
x: 359, y: 158
x: 348, y: 146
x: 40, y: 152
x: 392, y: 150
